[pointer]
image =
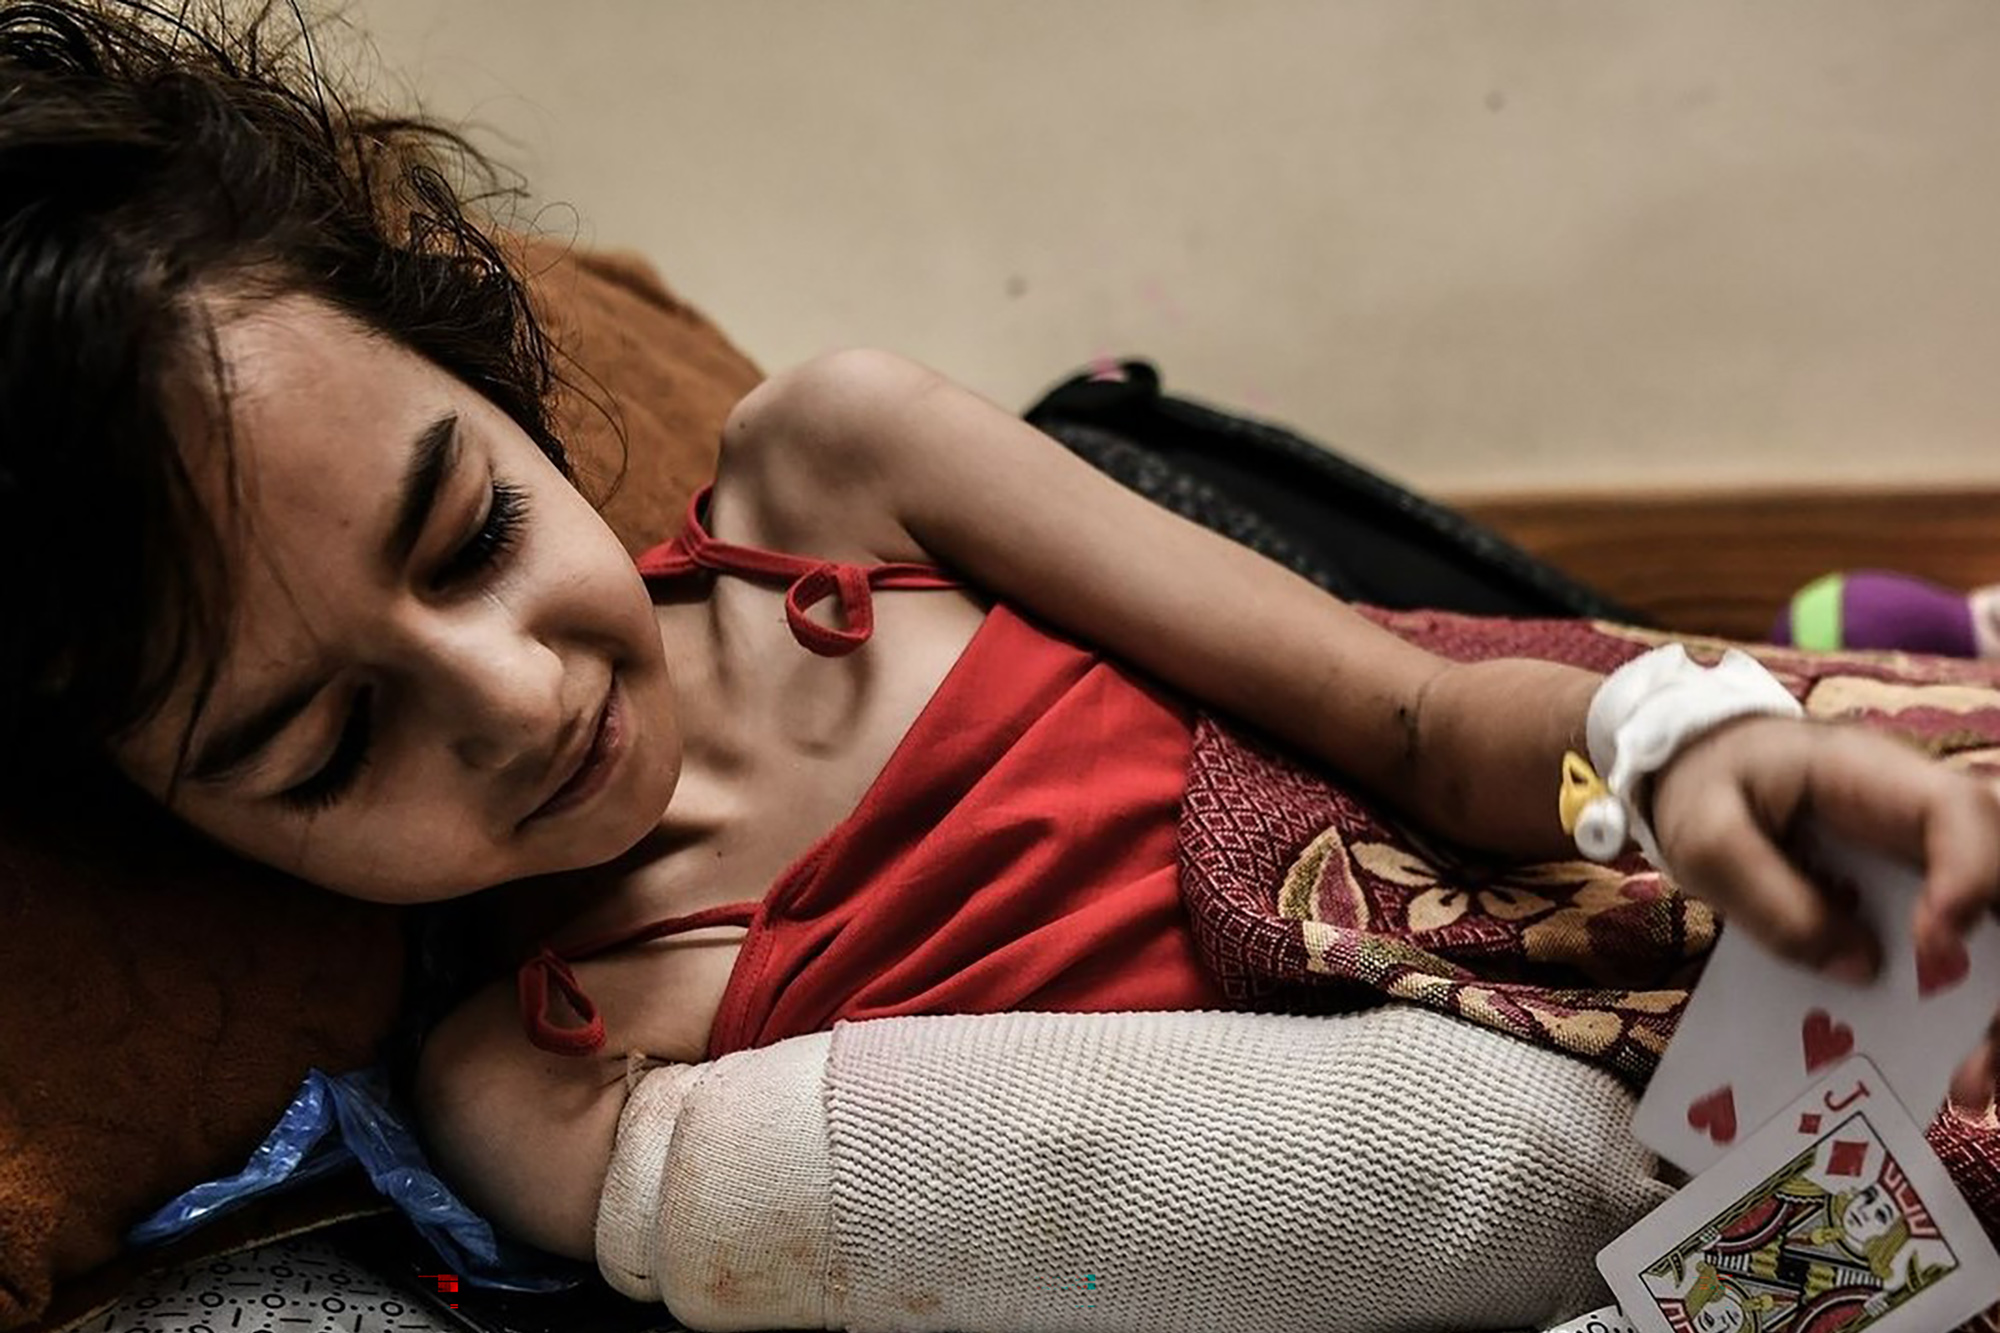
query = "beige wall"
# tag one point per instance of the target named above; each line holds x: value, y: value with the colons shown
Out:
x: 1483, y: 244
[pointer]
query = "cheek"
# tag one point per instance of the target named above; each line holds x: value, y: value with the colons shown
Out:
x: 415, y: 848
x: 403, y: 857
x: 586, y: 577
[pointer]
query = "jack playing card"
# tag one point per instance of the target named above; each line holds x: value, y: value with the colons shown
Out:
x: 1834, y: 1215
x: 1758, y: 1029
x: 1607, y: 1320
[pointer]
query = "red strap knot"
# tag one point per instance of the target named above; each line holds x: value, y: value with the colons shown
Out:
x: 857, y: 608
x: 532, y: 986
x: 810, y: 580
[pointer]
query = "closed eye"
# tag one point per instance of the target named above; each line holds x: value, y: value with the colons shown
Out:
x: 337, y: 777
x: 506, y: 514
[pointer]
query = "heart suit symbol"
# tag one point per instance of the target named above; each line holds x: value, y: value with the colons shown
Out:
x: 1715, y: 1115
x: 1936, y: 973
x: 1825, y: 1040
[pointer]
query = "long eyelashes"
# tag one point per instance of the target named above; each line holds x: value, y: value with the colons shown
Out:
x: 506, y: 515
x: 334, y: 781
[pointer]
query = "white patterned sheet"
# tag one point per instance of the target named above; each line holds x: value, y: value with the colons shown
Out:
x: 301, y: 1285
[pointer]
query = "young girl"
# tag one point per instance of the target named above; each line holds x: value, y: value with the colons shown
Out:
x: 309, y: 569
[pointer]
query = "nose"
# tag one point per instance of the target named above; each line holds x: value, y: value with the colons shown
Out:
x: 499, y: 692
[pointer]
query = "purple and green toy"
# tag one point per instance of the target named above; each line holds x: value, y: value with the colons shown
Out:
x: 1880, y: 609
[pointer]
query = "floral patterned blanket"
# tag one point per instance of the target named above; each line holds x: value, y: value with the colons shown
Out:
x: 1305, y: 897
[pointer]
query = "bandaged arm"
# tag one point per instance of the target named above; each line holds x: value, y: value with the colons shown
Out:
x: 1125, y: 1171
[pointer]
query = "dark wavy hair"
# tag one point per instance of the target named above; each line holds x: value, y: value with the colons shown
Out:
x: 149, y: 159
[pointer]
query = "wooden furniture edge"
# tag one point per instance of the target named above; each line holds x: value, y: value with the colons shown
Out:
x: 1726, y: 562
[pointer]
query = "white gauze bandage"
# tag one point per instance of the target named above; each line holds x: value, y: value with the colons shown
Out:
x: 1646, y: 712
x: 1136, y: 1172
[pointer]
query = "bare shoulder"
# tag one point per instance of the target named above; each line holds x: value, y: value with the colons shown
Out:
x: 803, y: 461
x: 833, y: 399
x: 523, y: 1135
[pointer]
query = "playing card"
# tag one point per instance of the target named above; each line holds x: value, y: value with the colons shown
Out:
x: 1606, y: 1320
x: 1834, y: 1215
x: 1758, y: 1029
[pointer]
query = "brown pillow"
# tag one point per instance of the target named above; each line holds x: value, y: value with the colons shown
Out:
x: 657, y: 363
x: 165, y: 999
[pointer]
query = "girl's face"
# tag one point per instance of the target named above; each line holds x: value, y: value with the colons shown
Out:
x: 428, y: 622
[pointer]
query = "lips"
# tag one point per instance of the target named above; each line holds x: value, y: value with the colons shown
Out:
x: 581, y: 769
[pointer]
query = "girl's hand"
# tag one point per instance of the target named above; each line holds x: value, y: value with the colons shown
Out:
x: 1724, y: 808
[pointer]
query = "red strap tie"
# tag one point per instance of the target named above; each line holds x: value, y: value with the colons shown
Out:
x: 533, y: 990
x: 857, y: 607
x: 812, y: 581
x: 531, y: 981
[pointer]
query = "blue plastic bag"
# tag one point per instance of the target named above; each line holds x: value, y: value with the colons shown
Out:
x: 371, y: 1132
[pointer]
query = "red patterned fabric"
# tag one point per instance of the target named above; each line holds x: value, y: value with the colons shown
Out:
x: 1304, y: 896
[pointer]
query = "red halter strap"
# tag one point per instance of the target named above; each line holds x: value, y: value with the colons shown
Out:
x: 532, y: 981
x: 812, y: 581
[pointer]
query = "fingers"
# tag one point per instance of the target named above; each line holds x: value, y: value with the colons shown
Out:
x: 1961, y: 864
x: 1733, y: 864
x: 1973, y: 1086
x: 1735, y: 796
x: 1887, y: 795
x: 1726, y: 805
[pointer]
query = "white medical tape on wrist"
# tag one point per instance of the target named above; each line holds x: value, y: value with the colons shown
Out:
x: 1648, y: 710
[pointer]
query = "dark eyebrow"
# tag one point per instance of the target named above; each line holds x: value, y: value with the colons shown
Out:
x: 431, y: 461
x: 233, y: 744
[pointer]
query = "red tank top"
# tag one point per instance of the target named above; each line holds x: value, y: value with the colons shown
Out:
x: 1017, y: 852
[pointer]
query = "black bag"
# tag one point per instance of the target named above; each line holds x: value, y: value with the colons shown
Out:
x: 1358, y: 535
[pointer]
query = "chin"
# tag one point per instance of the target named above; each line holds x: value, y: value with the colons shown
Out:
x: 649, y: 807
x: 404, y: 895
x: 639, y: 815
